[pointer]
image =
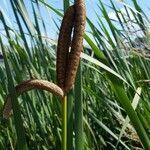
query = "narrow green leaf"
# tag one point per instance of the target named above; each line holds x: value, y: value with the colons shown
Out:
x: 79, y: 142
x: 21, y: 143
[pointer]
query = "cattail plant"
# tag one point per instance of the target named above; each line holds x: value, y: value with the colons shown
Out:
x: 68, y: 58
x: 71, y: 34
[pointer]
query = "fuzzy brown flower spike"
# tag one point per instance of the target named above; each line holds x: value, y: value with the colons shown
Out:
x: 77, y: 44
x: 64, y: 42
x: 27, y: 86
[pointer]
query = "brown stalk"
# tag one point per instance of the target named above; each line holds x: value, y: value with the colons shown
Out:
x: 29, y: 85
x: 64, y: 42
x: 77, y: 44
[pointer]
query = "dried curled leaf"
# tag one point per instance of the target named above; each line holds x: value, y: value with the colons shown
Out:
x: 29, y: 85
x: 77, y: 44
x: 64, y: 42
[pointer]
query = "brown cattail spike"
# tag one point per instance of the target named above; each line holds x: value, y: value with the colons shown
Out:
x: 77, y: 44
x: 28, y: 85
x: 64, y: 42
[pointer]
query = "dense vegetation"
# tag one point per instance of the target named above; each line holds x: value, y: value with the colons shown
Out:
x: 113, y: 74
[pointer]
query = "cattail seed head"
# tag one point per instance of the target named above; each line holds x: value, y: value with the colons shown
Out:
x: 29, y: 85
x: 77, y: 44
x: 64, y: 42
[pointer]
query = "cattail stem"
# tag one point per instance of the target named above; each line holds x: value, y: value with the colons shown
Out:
x: 64, y: 123
x: 70, y: 110
x: 79, y: 142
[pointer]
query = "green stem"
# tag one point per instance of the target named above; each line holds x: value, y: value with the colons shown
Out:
x: 70, y: 105
x: 64, y: 123
x: 79, y: 142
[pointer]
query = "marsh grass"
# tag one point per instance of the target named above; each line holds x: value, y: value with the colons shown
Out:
x: 105, y: 86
